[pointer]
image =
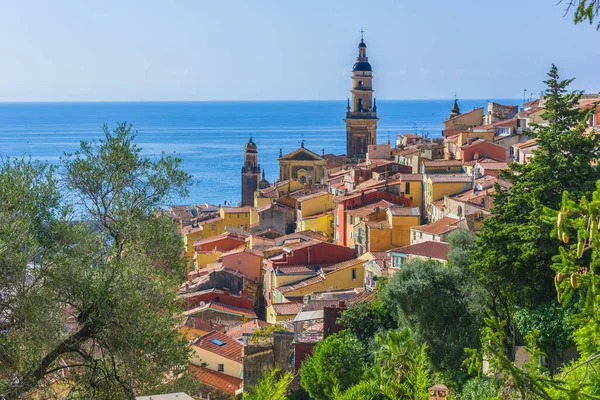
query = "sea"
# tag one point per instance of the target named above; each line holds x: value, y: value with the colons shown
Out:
x: 210, y: 136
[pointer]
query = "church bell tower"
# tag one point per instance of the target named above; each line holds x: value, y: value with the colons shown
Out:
x: 250, y: 174
x: 361, y: 112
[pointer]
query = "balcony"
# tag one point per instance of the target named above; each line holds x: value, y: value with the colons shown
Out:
x: 361, y: 115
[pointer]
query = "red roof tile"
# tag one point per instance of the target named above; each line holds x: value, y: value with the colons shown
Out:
x: 238, y: 331
x: 218, y: 380
x: 243, y: 250
x: 450, y: 178
x: 219, y: 307
x: 229, y: 348
x: 287, y: 308
x: 438, y: 227
x: 437, y: 250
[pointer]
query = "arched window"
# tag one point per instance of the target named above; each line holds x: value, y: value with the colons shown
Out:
x: 460, y: 211
x: 303, y: 179
x: 359, y: 105
x: 360, y: 83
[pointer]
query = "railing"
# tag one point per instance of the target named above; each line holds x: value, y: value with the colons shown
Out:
x: 361, y: 114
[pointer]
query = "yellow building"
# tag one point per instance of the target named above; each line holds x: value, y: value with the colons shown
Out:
x: 218, y: 352
x: 315, y: 213
x: 278, y: 189
x: 384, y: 234
x: 303, y: 166
x: 321, y: 223
x: 458, y: 121
x: 438, y: 186
x: 412, y: 187
x: 345, y: 275
x: 279, y: 312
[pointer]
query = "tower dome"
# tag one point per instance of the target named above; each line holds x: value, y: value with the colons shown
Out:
x: 251, y: 147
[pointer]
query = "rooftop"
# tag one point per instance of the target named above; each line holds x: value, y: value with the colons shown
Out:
x: 437, y: 250
x: 218, y: 380
x: 238, y: 331
x: 218, y: 343
x: 369, y: 209
x: 442, y: 163
x: 450, y: 178
x: 224, y: 308
x: 287, y: 308
x: 243, y: 250
x: 438, y: 227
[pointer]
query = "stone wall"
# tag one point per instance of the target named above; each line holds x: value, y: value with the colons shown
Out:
x: 274, y: 352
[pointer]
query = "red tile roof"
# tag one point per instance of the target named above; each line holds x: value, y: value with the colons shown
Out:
x: 437, y: 250
x: 378, y: 224
x: 287, y: 308
x: 230, y: 348
x: 405, y: 211
x: 438, y: 227
x: 450, y: 178
x: 238, y: 331
x: 442, y: 163
x: 319, y: 278
x: 218, y: 380
x: 224, y: 308
x: 244, y: 209
x: 369, y: 209
x: 243, y: 250
x: 410, y: 177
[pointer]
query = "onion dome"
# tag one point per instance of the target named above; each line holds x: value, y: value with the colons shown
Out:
x: 362, y: 66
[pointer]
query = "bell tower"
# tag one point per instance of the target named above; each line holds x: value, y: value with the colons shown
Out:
x: 361, y: 112
x: 250, y: 174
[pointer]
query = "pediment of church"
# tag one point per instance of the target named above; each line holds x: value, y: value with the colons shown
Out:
x: 302, y: 154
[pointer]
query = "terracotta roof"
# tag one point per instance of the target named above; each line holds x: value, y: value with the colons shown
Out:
x: 296, y: 269
x: 439, y: 204
x: 220, y: 307
x: 287, y: 308
x: 334, y: 161
x: 237, y: 209
x: 378, y: 224
x: 404, y: 211
x: 437, y: 250
x: 203, y: 324
x: 442, y: 163
x: 218, y: 380
x: 406, y: 152
x: 218, y: 238
x: 530, y: 111
x: 238, y: 331
x: 442, y: 178
x: 230, y: 348
x: 410, y: 177
x: 369, y: 209
x: 505, y: 123
x: 311, y: 234
x: 312, y: 196
x: 243, y: 250
x: 362, y: 296
x: 191, y: 333
x: 494, y: 166
x: 452, y: 138
x: 278, y: 206
x: 409, y: 135
x: 270, y: 192
x: 438, y: 227
x: 527, y: 143
x: 532, y: 103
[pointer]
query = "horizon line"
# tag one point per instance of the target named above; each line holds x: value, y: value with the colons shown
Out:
x: 239, y: 101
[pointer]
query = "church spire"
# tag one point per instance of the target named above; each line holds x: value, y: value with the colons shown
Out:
x: 455, y: 110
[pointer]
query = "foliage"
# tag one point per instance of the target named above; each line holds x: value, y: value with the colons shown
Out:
x: 479, y: 389
x: 438, y: 304
x: 551, y: 320
x: 338, y: 361
x: 401, y: 370
x: 515, y: 246
x: 272, y: 386
x: 259, y: 335
x: 585, y: 10
x: 114, y: 276
x: 365, y: 319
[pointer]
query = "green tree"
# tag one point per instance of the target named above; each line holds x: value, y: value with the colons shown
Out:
x: 584, y: 10
x: 272, y: 386
x: 515, y: 247
x: 338, y: 361
x: 444, y: 305
x: 401, y: 370
x: 479, y: 389
x: 111, y: 267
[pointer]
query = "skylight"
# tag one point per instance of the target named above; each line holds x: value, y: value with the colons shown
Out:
x: 217, y: 342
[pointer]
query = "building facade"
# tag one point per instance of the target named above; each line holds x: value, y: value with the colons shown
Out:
x: 361, y: 112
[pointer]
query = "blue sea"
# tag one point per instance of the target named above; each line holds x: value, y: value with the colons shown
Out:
x: 210, y: 136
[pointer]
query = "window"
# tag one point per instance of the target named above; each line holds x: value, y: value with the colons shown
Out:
x: 239, y: 261
x: 212, y: 227
x: 352, y: 219
x: 238, y: 215
x: 221, y: 368
x: 353, y: 274
x: 407, y: 188
x: 351, y: 235
x: 420, y: 235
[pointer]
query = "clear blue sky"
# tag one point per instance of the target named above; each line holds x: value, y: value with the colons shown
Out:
x: 73, y: 50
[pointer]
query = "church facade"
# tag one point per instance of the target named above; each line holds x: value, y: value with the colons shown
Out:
x: 303, y: 165
x: 361, y: 112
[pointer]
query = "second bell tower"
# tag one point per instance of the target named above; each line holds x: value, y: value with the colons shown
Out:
x: 361, y: 112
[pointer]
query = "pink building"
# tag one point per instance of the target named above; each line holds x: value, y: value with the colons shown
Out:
x: 247, y: 261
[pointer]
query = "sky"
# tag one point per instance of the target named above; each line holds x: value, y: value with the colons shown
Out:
x: 187, y: 50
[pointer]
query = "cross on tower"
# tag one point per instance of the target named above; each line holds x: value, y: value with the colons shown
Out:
x: 361, y: 33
